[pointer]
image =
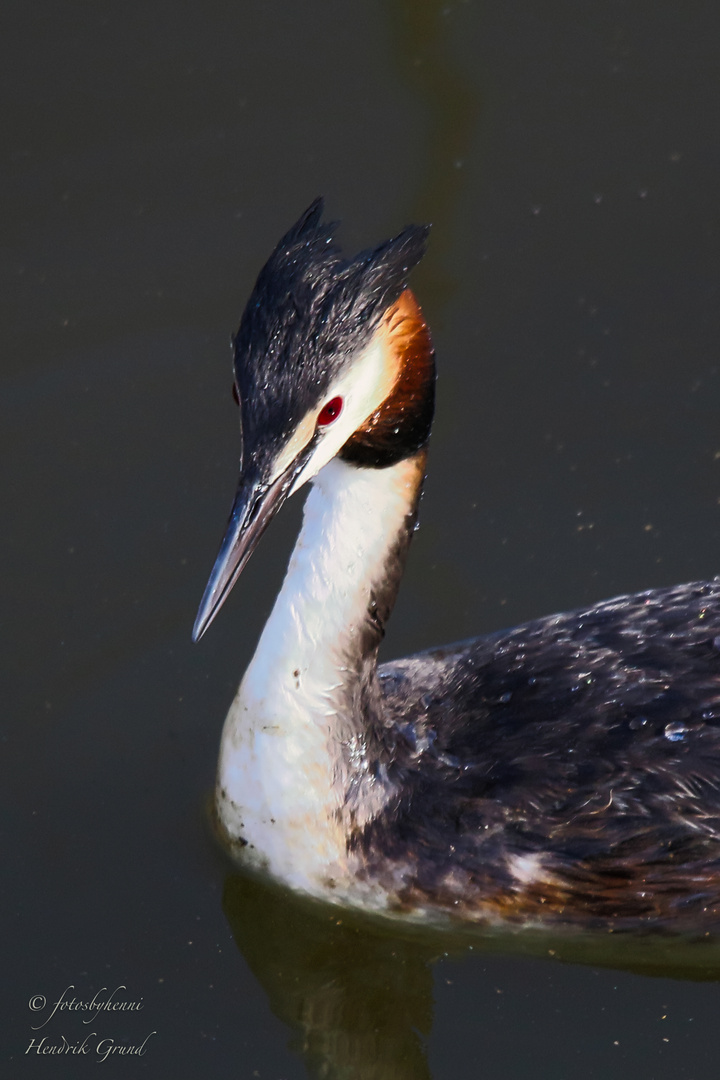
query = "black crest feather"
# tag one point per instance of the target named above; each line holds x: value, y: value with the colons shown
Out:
x: 310, y: 311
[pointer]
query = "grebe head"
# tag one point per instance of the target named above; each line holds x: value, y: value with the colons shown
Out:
x: 323, y: 345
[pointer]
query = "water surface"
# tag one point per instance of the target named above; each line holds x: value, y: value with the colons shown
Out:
x: 567, y: 155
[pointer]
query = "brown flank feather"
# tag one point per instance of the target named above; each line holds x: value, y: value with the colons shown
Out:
x: 595, y: 904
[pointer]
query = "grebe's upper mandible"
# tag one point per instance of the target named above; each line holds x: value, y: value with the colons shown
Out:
x: 564, y: 771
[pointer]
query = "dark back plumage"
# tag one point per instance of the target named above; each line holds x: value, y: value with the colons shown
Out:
x: 588, y: 743
x: 310, y: 312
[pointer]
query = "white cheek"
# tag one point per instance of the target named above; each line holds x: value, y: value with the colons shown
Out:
x: 362, y: 390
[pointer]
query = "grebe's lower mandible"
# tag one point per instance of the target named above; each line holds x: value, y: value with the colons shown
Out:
x: 564, y: 771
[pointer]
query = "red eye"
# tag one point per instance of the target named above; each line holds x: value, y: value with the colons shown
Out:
x: 330, y: 412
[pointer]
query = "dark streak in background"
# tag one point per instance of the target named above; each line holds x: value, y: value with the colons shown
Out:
x: 422, y: 38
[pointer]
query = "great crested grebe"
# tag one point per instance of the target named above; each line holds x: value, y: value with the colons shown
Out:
x: 564, y: 771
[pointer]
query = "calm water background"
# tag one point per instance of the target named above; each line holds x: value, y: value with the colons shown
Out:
x: 568, y: 156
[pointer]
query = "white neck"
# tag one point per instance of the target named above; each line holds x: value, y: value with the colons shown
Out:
x: 296, y: 770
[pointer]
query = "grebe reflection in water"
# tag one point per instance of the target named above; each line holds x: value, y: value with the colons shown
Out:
x: 566, y: 771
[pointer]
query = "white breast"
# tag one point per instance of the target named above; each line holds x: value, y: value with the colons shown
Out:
x: 289, y: 753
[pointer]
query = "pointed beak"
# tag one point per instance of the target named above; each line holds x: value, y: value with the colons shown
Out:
x: 255, y: 504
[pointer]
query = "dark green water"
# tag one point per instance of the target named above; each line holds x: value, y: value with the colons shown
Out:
x: 568, y: 156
